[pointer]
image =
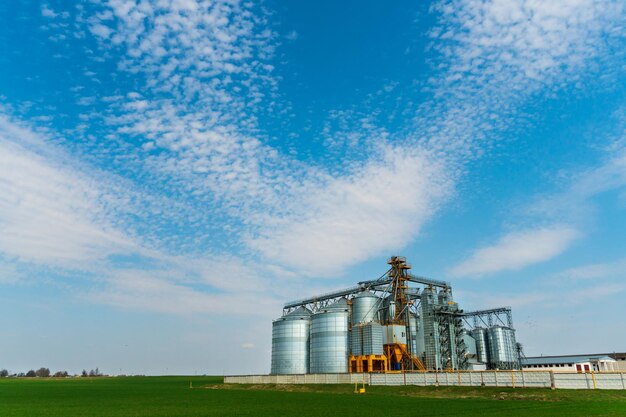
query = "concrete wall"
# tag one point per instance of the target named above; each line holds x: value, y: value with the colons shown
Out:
x: 518, y: 379
x: 467, y: 379
x: 621, y: 365
x: 299, y: 379
x: 586, y: 381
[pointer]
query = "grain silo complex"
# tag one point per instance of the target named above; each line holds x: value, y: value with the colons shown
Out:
x: 397, y: 323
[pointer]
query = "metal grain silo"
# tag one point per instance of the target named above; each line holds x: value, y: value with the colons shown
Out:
x: 470, y: 344
x: 480, y: 335
x: 356, y: 340
x: 365, y: 307
x: 420, y: 347
x: 329, y: 339
x: 372, y: 338
x: 388, y: 310
x: 502, y: 348
x: 290, y: 343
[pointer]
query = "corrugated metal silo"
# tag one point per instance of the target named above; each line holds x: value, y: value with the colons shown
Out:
x: 432, y: 347
x: 420, y: 347
x: 329, y: 339
x: 470, y: 344
x: 372, y: 339
x: 290, y: 343
x: 365, y: 307
x: 388, y: 311
x: 480, y: 335
x: 502, y: 348
x: 356, y: 340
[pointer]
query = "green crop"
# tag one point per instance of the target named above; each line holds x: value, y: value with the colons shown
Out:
x: 172, y: 396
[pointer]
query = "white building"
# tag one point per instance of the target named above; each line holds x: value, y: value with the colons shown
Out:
x: 621, y: 360
x: 571, y: 363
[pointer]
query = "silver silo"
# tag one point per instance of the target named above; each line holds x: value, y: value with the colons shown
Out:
x: 420, y: 347
x: 502, y: 348
x: 470, y: 345
x: 371, y: 338
x: 356, y: 340
x: 480, y: 335
x: 329, y: 339
x: 290, y: 343
x: 388, y: 310
x: 365, y: 307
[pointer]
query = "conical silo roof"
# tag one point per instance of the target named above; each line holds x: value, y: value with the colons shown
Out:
x: 298, y: 313
x: 339, y: 305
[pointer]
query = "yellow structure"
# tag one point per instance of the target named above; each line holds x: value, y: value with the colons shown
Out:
x: 368, y: 363
x: 399, y: 359
x: 398, y: 356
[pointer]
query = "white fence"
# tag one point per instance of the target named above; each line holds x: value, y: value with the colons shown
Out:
x: 514, y: 379
x: 299, y: 379
x: 602, y: 380
x: 467, y: 379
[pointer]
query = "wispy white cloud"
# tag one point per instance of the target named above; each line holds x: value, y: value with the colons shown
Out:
x: 101, y: 30
x: 495, y: 56
x: 517, y: 250
x: 292, y: 36
x: 379, y: 208
x: 574, y: 202
x: 48, y: 213
x: 8, y: 273
x: 207, y: 67
x: 196, y: 128
x: 207, y: 175
x: 523, y: 44
x: 593, y: 272
x: 551, y: 298
x: 46, y: 11
x: 150, y: 291
x: 204, y: 76
x: 569, y: 209
x: 49, y: 13
x: 58, y: 215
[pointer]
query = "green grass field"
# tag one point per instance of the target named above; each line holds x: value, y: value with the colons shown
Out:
x: 171, y: 396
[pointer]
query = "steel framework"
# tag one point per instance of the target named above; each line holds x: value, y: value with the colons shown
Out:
x: 488, y: 318
x: 442, y: 320
x: 382, y: 284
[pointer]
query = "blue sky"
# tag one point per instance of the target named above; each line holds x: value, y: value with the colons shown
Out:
x: 171, y: 172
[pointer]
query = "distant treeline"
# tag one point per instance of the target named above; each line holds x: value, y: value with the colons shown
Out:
x: 45, y: 373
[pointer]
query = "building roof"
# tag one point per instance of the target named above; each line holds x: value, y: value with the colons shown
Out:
x: 617, y: 355
x: 547, y: 360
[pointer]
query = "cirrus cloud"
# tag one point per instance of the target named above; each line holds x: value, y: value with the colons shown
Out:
x: 517, y: 250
